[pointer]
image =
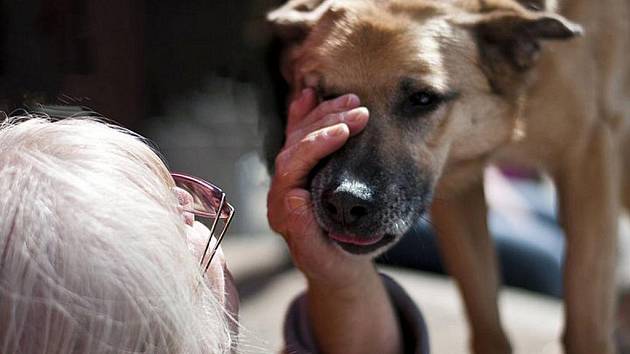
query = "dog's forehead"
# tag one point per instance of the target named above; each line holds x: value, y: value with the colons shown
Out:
x: 362, y: 51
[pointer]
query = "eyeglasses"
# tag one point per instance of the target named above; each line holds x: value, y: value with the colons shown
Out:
x: 208, y: 202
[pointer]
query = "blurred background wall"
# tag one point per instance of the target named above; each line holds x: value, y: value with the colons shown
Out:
x: 190, y: 75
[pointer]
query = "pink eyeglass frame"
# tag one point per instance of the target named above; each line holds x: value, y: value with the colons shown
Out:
x: 213, y: 198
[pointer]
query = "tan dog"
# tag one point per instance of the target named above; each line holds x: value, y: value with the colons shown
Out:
x: 451, y: 87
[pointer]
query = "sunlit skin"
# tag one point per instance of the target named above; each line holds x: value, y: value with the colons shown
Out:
x: 345, y: 293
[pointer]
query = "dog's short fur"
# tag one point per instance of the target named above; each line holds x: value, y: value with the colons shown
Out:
x: 451, y: 87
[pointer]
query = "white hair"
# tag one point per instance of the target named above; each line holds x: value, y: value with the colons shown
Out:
x: 93, y: 257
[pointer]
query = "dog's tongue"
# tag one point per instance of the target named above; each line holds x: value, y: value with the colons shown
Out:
x: 355, y: 240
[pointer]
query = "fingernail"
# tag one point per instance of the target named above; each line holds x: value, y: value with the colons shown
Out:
x: 347, y: 101
x: 355, y: 115
x: 336, y: 130
x: 295, y: 202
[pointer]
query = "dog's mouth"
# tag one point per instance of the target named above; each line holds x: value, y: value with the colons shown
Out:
x: 361, y: 245
x: 366, y: 215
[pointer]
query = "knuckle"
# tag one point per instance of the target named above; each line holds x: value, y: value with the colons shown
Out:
x: 294, y: 135
x: 312, y: 137
x: 274, y: 221
x: 332, y: 118
x: 281, y: 160
x: 282, y: 177
x: 337, y: 116
x: 299, y: 167
x: 277, y: 162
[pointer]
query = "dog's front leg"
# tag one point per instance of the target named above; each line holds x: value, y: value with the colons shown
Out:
x: 470, y: 257
x: 589, y: 203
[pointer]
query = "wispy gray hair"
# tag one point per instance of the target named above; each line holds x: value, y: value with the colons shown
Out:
x: 93, y: 257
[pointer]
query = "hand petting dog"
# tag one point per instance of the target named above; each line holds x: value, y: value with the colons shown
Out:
x: 345, y: 292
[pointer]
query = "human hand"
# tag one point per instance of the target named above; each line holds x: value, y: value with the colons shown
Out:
x: 344, y: 290
x: 313, y: 132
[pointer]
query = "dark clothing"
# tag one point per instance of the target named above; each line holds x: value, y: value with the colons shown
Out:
x: 300, y: 340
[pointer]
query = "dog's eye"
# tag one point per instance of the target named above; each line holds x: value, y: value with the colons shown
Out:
x: 422, y: 102
x: 424, y: 99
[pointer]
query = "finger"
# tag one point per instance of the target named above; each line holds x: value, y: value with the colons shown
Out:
x: 339, y: 104
x: 311, y: 250
x: 300, y: 107
x: 294, y: 163
x: 356, y: 119
x: 301, y: 223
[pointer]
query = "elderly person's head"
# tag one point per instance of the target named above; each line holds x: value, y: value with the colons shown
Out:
x: 93, y: 251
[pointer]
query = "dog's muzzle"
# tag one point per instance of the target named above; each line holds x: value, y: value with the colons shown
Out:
x: 362, y: 215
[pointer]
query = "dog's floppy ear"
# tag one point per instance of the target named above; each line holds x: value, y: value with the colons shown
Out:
x: 509, y: 40
x: 518, y: 36
x: 293, y: 20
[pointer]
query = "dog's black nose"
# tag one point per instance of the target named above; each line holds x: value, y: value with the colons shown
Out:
x: 348, y: 206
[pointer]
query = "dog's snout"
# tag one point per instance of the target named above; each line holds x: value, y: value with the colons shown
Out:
x: 348, y: 203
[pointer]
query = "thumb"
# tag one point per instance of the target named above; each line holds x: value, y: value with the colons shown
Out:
x: 298, y: 201
x: 301, y: 220
x: 303, y: 229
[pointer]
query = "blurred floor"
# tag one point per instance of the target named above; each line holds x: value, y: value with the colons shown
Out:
x: 532, y: 321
